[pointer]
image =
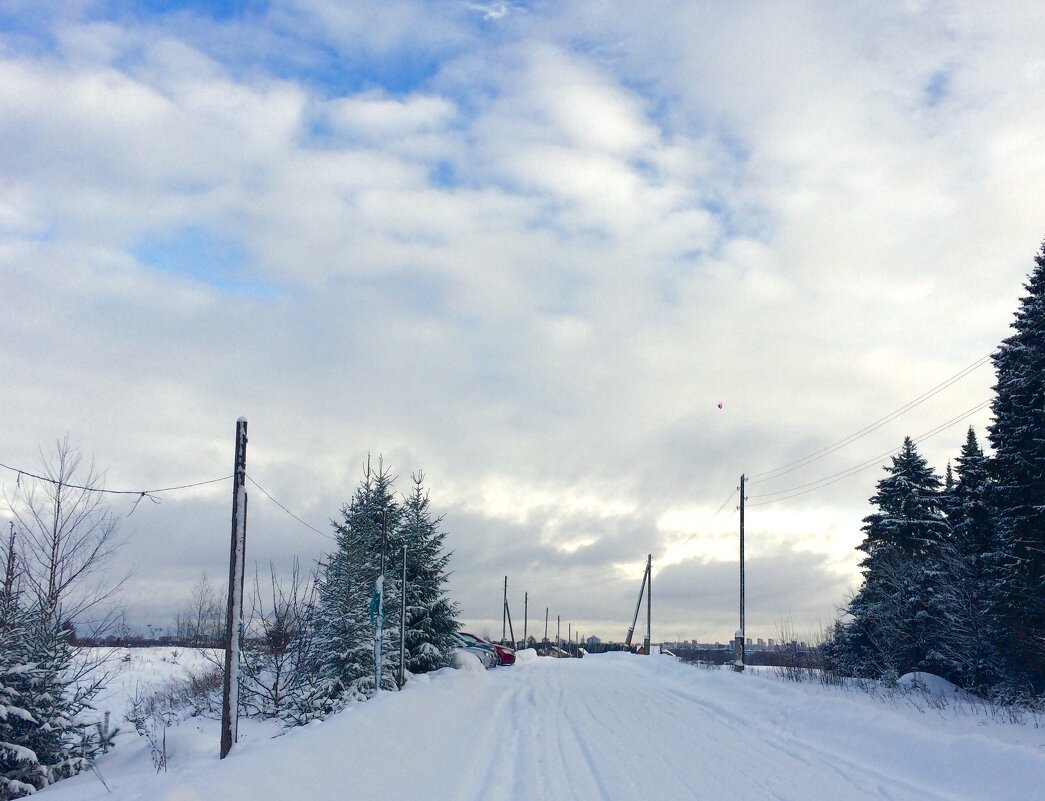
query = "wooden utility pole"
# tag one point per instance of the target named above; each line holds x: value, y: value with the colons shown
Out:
x: 234, y: 611
x: 504, y: 613
x: 402, y: 629
x: 546, y: 625
x: 649, y: 600
x: 638, y: 604
x: 738, y: 647
x: 526, y: 615
x: 511, y: 629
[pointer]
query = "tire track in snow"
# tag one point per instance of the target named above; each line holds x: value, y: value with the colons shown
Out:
x: 618, y: 730
x: 766, y: 745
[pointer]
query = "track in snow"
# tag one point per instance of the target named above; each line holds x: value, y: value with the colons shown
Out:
x: 608, y: 727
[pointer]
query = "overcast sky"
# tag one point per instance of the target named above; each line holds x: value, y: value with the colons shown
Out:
x: 528, y: 248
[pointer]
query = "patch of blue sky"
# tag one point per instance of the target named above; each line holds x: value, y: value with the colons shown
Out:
x: 936, y: 88
x: 27, y: 29
x: 213, y: 9
x: 724, y: 214
x: 646, y: 169
x: 444, y: 175
x: 203, y: 256
x: 337, y: 74
x: 735, y: 221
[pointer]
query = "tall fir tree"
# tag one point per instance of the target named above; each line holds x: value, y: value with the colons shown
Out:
x: 892, y: 628
x: 971, y: 635
x: 1018, y: 438
x: 431, y: 615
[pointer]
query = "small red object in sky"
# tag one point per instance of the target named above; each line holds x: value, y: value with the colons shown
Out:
x: 719, y: 405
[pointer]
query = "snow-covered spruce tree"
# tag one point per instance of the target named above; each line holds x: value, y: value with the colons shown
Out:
x: 41, y: 738
x: 1018, y: 438
x: 346, y: 627
x: 431, y: 617
x: 970, y: 638
x: 20, y: 770
x: 63, y: 744
x: 893, y: 617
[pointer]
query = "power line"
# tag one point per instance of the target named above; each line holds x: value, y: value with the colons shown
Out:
x: 139, y: 493
x: 834, y: 478
x: 729, y: 497
x: 820, y: 454
x: 285, y: 509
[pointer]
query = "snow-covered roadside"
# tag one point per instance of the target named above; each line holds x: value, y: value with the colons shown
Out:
x: 134, y: 668
x: 613, y: 726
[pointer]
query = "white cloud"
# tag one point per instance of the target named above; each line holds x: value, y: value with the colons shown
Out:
x: 529, y: 257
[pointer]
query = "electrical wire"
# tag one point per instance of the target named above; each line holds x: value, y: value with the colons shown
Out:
x: 285, y: 509
x: 139, y: 493
x: 834, y: 478
x: 768, y: 475
x: 729, y: 497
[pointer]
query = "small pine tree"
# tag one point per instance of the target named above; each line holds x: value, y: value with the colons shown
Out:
x: 1019, y: 461
x: 63, y: 745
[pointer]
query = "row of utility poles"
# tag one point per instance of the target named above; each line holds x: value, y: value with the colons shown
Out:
x: 508, y: 630
x: 647, y: 590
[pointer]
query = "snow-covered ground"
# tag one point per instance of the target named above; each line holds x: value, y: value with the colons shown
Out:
x: 610, y: 726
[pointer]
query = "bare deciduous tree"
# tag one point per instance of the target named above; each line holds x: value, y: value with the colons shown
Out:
x: 279, y: 650
x: 202, y: 623
x: 67, y: 536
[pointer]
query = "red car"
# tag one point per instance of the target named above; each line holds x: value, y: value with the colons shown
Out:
x: 505, y: 654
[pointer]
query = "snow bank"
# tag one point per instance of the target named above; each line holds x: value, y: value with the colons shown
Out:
x: 468, y: 662
x: 936, y: 686
x: 525, y: 655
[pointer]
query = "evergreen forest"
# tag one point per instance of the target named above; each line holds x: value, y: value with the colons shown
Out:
x: 954, y: 567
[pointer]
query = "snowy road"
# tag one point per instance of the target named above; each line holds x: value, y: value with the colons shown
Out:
x: 609, y: 728
x: 617, y: 727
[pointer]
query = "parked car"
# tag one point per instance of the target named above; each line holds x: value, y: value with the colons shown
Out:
x: 487, y: 656
x: 505, y: 655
